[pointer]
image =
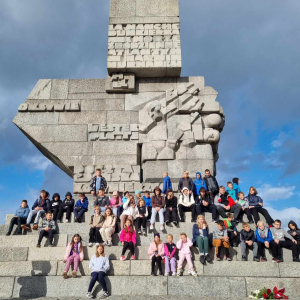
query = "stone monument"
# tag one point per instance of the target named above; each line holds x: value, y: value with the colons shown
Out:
x: 140, y: 121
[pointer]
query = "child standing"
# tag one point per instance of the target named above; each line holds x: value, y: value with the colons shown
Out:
x: 142, y: 216
x: 183, y: 245
x: 167, y: 184
x: 232, y: 232
x: 221, y: 239
x: 128, y: 239
x: 170, y: 259
x: 74, y: 255
x: 48, y: 228
x: 147, y: 199
x: 95, y: 225
x: 137, y: 196
x: 248, y: 241
x: 108, y: 227
x: 243, y: 202
x: 264, y: 239
x: 99, y: 265
x: 198, y: 184
x: 156, y: 253
x: 236, y: 187
x: 200, y: 238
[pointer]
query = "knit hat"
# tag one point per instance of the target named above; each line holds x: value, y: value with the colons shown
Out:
x: 137, y: 192
x: 156, y: 234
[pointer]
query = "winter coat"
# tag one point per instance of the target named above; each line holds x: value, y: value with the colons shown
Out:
x: 219, y: 234
x: 186, y: 200
x: 247, y: 236
x: 44, y: 203
x: 198, y: 184
x: 237, y: 189
x: 99, y: 264
x: 69, y: 251
x: 68, y: 203
x: 196, y: 232
x: 48, y: 224
x: 22, y: 212
x: 171, y: 202
x: 214, y: 190
x: 232, y: 194
x: 167, y: 184
x: 224, y: 200
x: 55, y: 204
x: 102, y: 201
x: 147, y: 201
x: 128, y: 236
x: 290, y: 232
x: 152, y: 247
x: 84, y: 204
x: 254, y: 200
x: 199, y: 199
x: 170, y: 249
x: 264, y: 235
x: 186, y: 182
x: 129, y: 211
x: 184, y: 248
x: 113, y: 201
x: 93, y: 183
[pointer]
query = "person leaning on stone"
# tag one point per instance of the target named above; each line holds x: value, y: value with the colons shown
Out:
x: 225, y: 203
x: 98, y: 182
x: 19, y: 218
x: 186, y: 182
x: 211, y: 184
x: 102, y: 200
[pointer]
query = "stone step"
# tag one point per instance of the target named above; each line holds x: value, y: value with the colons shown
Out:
x: 213, y: 287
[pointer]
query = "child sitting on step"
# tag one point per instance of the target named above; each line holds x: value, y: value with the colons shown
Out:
x: 95, y: 224
x: 48, y: 228
x: 142, y: 216
x: 74, y: 254
x: 156, y: 253
x: 147, y: 199
x: 248, y: 240
x: 221, y: 240
x: 128, y: 239
x: 264, y: 239
x: 183, y: 245
x: 232, y: 232
x: 170, y: 259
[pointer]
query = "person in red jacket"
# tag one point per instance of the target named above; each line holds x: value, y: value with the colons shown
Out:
x: 225, y: 203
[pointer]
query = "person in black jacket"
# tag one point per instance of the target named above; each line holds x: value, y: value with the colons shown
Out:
x: 204, y: 204
x: 66, y: 206
x: 55, y: 205
x: 187, y: 182
x: 171, y: 213
x: 248, y: 240
x: 294, y: 231
x: 211, y: 184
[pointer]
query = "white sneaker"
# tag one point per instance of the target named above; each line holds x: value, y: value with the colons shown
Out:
x: 109, y: 244
x: 151, y: 227
x: 161, y: 227
x: 90, y: 245
x: 174, y: 274
x: 105, y: 295
x: 193, y: 273
x: 105, y: 243
x: 89, y: 295
x: 97, y: 244
x: 66, y: 221
x: 166, y: 274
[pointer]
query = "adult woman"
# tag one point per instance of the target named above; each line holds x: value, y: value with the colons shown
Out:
x: 130, y: 211
x: 99, y: 265
x: 256, y: 206
x: 108, y: 226
x: 157, y: 203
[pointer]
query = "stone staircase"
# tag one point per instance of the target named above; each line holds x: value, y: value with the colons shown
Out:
x: 30, y: 272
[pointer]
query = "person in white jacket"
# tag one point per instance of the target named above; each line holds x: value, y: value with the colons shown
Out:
x: 187, y: 203
x: 99, y: 265
x: 130, y: 211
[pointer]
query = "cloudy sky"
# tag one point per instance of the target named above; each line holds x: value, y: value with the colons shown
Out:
x: 247, y: 50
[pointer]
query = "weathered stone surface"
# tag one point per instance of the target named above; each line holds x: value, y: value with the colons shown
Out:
x: 32, y: 118
x: 59, y: 89
x: 154, y: 170
x: 169, y: 8
x: 14, y: 254
x: 119, y: 117
x: 70, y: 148
x: 142, y: 20
x: 120, y: 83
x: 86, y: 86
x: 102, y: 104
x: 95, y: 96
x: 136, y: 101
x: 207, y: 286
x: 288, y: 269
x: 122, y: 8
x: 41, y: 90
x: 156, y: 84
x: 203, y: 151
x: 115, y: 148
x: 6, y: 287
x: 197, y: 80
x: 83, y: 117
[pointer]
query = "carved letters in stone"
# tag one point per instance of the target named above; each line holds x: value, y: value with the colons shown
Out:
x: 42, y: 107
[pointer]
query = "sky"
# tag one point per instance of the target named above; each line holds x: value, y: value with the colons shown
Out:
x: 247, y: 50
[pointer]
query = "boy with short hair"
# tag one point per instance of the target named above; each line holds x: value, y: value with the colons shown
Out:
x: 247, y: 237
x: 137, y: 196
x: 231, y: 191
x: 243, y: 202
x: 264, y: 239
x: 98, y: 182
x: 167, y: 184
x: 48, y: 228
x: 102, y: 200
x: 19, y: 218
x: 229, y: 224
x: 147, y: 200
x: 80, y: 208
x: 40, y: 206
x: 221, y: 239
x: 282, y: 240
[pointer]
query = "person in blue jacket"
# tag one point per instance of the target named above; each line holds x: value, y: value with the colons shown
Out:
x: 19, y: 218
x: 167, y: 184
x: 236, y: 187
x: 81, y: 207
x: 264, y: 239
x: 198, y: 184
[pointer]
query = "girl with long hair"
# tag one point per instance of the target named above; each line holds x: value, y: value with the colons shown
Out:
x: 128, y: 239
x: 108, y: 226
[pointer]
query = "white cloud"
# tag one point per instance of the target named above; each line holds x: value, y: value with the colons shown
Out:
x: 270, y: 193
x: 38, y: 162
x: 280, y: 140
x: 285, y: 215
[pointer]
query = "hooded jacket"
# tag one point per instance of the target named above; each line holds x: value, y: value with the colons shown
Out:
x: 167, y: 184
x: 186, y: 200
x: 171, y: 202
x: 157, y: 200
x: 290, y: 231
x: 22, y: 212
x: 237, y: 189
x: 93, y: 183
x: 147, y: 201
x: 129, y: 210
x: 186, y: 182
x: 184, y: 248
x: 264, y: 235
x: 128, y: 236
x: 213, y: 189
x: 55, y: 204
x: 198, y: 184
x: 224, y: 200
x: 247, y: 236
x: 68, y: 202
x: 254, y: 200
x: 232, y: 194
x: 84, y: 204
x: 44, y: 203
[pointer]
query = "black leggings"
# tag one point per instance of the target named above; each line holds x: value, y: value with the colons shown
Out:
x: 255, y: 210
x: 100, y: 277
x: 55, y: 212
x: 141, y: 221
x: 95, y: 236
x: 276, y: 248
x: 127, y: 245
x: 158, y: 260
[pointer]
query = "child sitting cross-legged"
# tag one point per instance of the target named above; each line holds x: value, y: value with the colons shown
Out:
x: 221, y: 240
x: 183, y: 245
x: 128, y: 239
x: 170, y: 259
x: 248, y: 241
x: 156, y: 253
x: 48, y: 228
x: 264, y: 239
x: 74, y: 255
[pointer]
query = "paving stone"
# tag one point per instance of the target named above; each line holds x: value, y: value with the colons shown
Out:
x: 59, y: 89
x: 14, y: 254
x: 6, y: 287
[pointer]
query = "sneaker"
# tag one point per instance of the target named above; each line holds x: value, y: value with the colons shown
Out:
x: 151, y: 227
x: 182, y: 220
x: 244, y: 258
x: 66, y: 221
x: 109, y: 244
x: 152, y: 274
x: 161, y: 274
x: 25, y: 227
x: 263, y: 259
x: 193, y: 221
x: 144, y: 231
x: 228, y: 258
x: 214, y: 221
x: 79, y: 220
x: 35, y: 226
x: 90, y: 244
x: 174, y: 274
x: 8, y: 234
x: 132, y: 257
x: 179, y: 272
x: 19, y: 233
x: 275, y: 260
x: 105, y: 244
x: 255, y: 258
x: 74, y: 274
x: 175, y: 223
x: 251, y: 222
x: 202, y: 259
x: 139, y: 231
x: 167, y: 222
x: 105, y: 295
x: 280, y: 259
x: 296, y: 259
x: 193, y: 273
x: 65, y: 275
x: 57, y: 221
x: 51, y: 245
x: 122, y: 257
x: 38, y: 245
x: 89, y: 295
x: 166, y: 274
x: 161, y: 227
x: 97, y: 244
x: 207, y: 257
x: 218, y: 257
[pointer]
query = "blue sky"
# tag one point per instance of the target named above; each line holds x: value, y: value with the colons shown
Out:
x: 247, y: 50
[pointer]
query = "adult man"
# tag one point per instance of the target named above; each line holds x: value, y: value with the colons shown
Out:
x: 186, y: 182
x: 211, y: 184
x: 98, y: 182
x: 225, y: 203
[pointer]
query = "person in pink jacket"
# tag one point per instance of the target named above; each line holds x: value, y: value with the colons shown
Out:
x: 170, y: 259
x: 74, y: 254
x: 156, y: 253
x: 115, y: 203
x: 128, y: 239
x: 183, y: 245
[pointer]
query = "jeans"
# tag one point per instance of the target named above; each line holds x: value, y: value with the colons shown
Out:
x: 202, y: 243
x: 171, y: 215
x: 161, y: 216
x: 183, y: 209
x: 79, y: 214
x: 127, y: 245
x: 74, y: 258
x: 116, y: 211
x: 68, y: 211
x: 157, y: 260
x: 244, y: 246
x: 200, y: 209
x: 255, y: 210
x: 103, y: 208
x: 45, y: 233
x: 235, y: 209
x: 33, y: 213
x: 100, y: 277
x: 95, y: 235
x: 16, y: 221
x: 170, y: 262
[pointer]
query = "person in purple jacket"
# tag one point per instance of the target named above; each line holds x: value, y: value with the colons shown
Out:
x: 81, y: 207
x: 170, y: 259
